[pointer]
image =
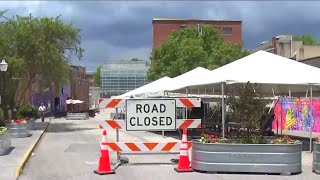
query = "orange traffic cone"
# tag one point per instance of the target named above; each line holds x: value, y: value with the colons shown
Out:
x: 184, y: 163
x: 104, y: 166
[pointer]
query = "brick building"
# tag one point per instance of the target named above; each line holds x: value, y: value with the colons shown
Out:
x: 286, y: 46
x: 162, y: 28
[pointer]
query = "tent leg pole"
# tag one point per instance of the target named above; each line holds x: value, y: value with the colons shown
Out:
x: 223, y: 110
x: 311, y: 118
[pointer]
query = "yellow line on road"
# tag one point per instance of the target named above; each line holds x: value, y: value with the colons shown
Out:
x: 28, y: 154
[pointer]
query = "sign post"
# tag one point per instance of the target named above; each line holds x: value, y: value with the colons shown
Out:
x: 150, y: 114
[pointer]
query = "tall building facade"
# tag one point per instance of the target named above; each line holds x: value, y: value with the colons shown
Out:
x: 119, y: 77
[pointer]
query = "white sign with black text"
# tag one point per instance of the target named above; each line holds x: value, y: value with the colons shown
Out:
x: 150, y: 114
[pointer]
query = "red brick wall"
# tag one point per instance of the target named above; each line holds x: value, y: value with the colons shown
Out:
x: 161, y: 29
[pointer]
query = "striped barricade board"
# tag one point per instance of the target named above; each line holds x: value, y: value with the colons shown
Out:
x: 121, y: 124
x: 120, y: 103
x: 145, y: 147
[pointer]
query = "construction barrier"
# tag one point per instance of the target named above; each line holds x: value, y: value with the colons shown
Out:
x: 162, y: 114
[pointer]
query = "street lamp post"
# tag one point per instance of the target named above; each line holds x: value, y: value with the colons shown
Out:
x: 3, y: 68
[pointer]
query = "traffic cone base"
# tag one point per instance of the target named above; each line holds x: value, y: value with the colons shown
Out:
x: 183, y: 170
x: 104, y: 173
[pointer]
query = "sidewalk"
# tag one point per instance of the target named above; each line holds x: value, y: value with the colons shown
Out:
x: 12, y: 164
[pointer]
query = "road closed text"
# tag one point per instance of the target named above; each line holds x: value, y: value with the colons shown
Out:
x: 151, y: 114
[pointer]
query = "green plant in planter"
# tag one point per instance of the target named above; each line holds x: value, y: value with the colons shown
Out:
x: 28, y: 111
x: 3, y: 129
x: 247, y: 103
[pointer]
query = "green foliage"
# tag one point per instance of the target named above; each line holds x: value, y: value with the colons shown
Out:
x: 3, y: 129
x: 306, y: 39
x: 37, y: 49
x: 187, y: 49
x: 96, y: 76
x: 247, y: 103
x: 1, y: 114
x: 28, y: 111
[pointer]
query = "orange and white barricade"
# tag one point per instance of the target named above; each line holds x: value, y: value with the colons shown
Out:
x: 179, y: 147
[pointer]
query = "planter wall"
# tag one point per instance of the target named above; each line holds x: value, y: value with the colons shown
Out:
x: 31, y: 125
x: 77, y: 116
x: 19, y: 130
x: 259, y: 158
x: 5, y: 143
x: 316, y: 158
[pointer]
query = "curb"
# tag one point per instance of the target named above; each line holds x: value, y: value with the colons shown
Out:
x: 28, y: 154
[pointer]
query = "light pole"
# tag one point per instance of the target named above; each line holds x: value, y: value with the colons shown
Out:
x: 3, y: 68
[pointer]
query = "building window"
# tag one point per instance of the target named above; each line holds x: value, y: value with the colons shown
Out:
x: 227, y: 31
x: 183, y: 26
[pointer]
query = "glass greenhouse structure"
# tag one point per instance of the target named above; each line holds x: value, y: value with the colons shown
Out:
x: 119, y: 77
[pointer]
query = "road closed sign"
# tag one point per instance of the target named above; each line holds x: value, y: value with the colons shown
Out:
x: 150, y: 114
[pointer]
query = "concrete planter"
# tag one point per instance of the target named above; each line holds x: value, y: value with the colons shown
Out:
x: 316, y: 158
x: 258, y: 158
x: 5, y: 143
x: 31, y: 125
x: 19, y: 130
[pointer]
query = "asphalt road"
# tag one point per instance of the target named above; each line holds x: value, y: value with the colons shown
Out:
x: 70, y: 150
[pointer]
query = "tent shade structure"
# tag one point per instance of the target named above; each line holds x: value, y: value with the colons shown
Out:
x: 190, y: 77
x: 71, y: 101
x: 153, y: 89
x: 273, y: 72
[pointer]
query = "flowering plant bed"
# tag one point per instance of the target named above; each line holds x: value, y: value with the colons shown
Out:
x: 316, y: 156
x: 19, y: 128
x: 5, y: 141
x: 19, y: 121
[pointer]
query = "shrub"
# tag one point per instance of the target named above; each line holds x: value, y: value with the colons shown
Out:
x: 247, y: 104
x: 28, y: 111
x: 3, y: 129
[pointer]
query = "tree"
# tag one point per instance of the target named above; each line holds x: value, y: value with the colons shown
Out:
x: 247, y: 104
x: 306, y: 39
x: 37, y: 50
x: 96, y: 76
x: 188, y: 49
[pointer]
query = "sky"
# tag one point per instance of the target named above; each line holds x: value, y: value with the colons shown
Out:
x: 114, y: 30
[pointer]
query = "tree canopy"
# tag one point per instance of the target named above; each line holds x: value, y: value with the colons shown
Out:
x: 96, y: 76
x: 187, y: 49
x: 37, y: 49
x: 306, y: 39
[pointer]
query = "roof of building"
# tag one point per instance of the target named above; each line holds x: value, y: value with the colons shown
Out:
x: 314, y: 61
x: 204, y: 20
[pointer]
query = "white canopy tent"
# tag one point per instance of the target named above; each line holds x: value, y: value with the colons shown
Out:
x: 153, y: 89
x: 190, y: 77
x: 274, y: 73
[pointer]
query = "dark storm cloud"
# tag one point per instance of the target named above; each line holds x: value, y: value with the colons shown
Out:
x: 121, y: 30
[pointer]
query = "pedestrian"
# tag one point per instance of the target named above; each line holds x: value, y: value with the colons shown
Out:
x: 42, y: 110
